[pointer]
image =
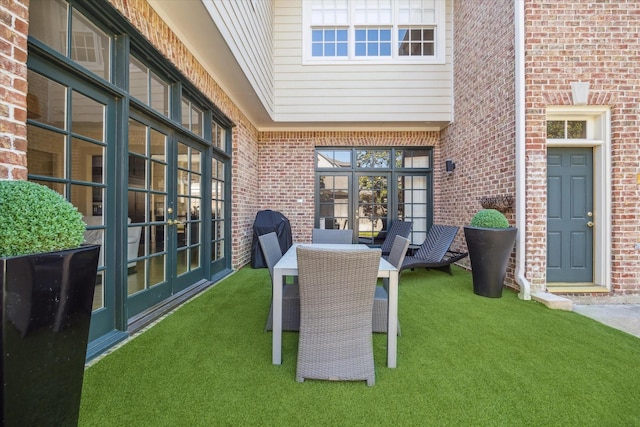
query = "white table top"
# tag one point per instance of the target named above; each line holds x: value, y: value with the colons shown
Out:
x: 288, y: 264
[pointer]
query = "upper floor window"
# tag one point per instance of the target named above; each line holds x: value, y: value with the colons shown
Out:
x: 381, y: 30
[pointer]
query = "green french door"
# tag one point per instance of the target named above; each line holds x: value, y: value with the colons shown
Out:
x: 71, y: 136
x: 164, y: 200
x: 364, y: 189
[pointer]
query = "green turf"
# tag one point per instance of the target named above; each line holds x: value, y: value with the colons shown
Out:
x: 462, y: 360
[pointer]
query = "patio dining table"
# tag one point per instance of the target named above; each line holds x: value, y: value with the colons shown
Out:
x: 288, y: 266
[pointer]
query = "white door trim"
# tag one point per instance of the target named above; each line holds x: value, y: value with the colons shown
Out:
x: 599, y: 137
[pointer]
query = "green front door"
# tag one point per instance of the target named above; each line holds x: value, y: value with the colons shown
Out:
x: 570, y: 216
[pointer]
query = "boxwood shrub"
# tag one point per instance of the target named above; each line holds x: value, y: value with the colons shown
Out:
x: 35, y: 219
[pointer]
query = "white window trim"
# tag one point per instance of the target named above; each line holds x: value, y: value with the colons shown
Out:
x: 599, y: 137
x: 351, y: 58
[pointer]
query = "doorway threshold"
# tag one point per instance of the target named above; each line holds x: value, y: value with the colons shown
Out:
x: 575, y: 288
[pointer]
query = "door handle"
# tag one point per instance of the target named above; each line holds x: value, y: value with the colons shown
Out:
x: 590, y: 224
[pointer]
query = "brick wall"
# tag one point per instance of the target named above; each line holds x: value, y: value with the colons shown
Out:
x: 481, y: 139
x: 595, y: 42
x: 286, y: 164
x: 13, y: 89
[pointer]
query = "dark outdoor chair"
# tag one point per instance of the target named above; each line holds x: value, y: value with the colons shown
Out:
x: 434, y: 253
x: 398, y: 228
x: 290, y: 292
x: 336, y: 302
x: 332, y: 236
x: 381, y: 298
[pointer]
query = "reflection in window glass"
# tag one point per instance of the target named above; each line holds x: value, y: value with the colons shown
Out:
x: 138, y: 80
x: 159, y: 95
x: 90, y: 46
x: 416, y: 41
x: 555, y: 129
x: 46, y: 101
x: 373, y: 158
x: 218, y: 136
x: 48, y: 23
x: 87, y: 117
x: 334, y: 158
x: 191, y: 117
x: 83, y: 155
x: 413, y: 159
x: 566, y: 129
x: 46, y: 152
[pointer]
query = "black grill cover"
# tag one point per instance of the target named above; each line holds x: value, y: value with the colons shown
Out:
x: 266, y: 222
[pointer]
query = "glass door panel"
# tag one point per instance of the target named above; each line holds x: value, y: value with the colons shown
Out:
x: 373, y: 206
x: 147, y: 251
x: 413, y: 204
x: 68, y: 150
x: 334, y: 207
x: 187, y: 221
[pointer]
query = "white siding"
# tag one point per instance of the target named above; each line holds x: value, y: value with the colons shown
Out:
x: 349, y: 92
x: 247, y: 28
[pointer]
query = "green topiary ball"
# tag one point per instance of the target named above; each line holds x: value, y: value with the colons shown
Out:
x: 35, y: 219
x: 489, y: 218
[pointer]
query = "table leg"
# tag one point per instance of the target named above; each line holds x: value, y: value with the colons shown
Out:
x: 277, y: 317
x: 392, y: 329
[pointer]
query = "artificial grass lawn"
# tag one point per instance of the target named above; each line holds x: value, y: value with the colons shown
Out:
x: 462, y: 360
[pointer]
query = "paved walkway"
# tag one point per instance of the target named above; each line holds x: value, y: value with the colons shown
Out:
x: 619, y: 313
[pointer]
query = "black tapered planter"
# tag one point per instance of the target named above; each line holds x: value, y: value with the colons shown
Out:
x: 46, y: 313
x: 489, y: 251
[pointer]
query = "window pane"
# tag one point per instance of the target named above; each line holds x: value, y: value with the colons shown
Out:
x: 334, y: 159
x: 196, y: 121
x: 138, y: 80
x: 159, y: 95
x: 87, y: 117
x: 90, y: 46
x: 82, y: 155
x: 416, y: 42
x: 373, y: 158
x: 555, y: 129
x: 46, y: 152
x: 576, y: 129
x: 46, y: 101
x: 413, y: 159
x: 137, y: 138
x: 48, y: 23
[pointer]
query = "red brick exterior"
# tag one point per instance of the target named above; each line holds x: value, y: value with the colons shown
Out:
x: 13, y: 89
x: 595, y: 42
x: 481, y: 139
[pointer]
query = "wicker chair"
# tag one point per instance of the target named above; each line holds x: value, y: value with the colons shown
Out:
x: 381, y: 298
x: 434, y: 253
x: 331, y: 236
x: 336, y: 302
x: 398, y: 228
x: 290, y: 292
